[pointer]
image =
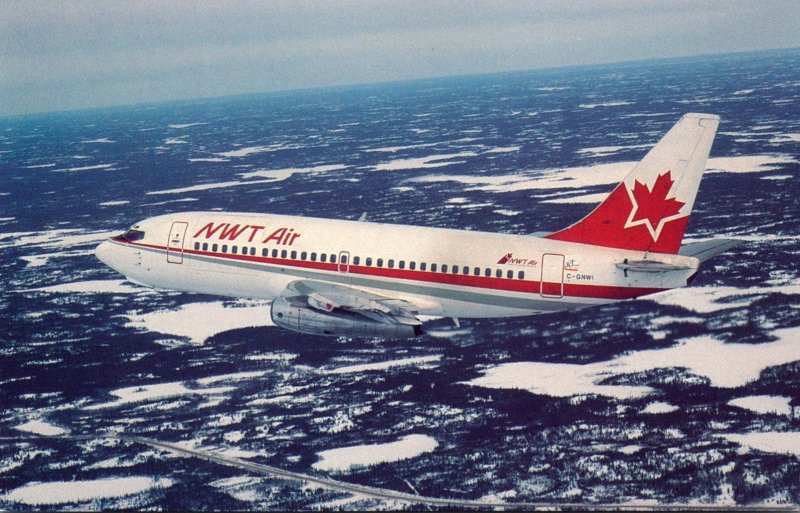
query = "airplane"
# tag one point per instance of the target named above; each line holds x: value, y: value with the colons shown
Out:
x: 362, y: 279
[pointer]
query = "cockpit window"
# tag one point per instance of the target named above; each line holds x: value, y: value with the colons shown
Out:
x: 131, y: 235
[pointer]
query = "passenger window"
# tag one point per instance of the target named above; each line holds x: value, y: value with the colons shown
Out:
x: 369, y: 261
x: 487, y: 272
x: 205, y: 246
x: 356, y: 260
x: 380, y: 262
x: 476, y: 271
x: 444, y: 267
x: 214, y: 247
x: 264, y: 252
x: 402, y: 264
x: 323, y: 257
x: 333, y: 258
x: 521, y: 275
x: 455, y: 269
x: 252, y: 251
x: 510, y: 274
x: 234, y: 249
x: 244, y: 250
x: 465, y: 270
x: 294, y: 255
x: 196, y: 245
x: 412, y: 265
x: 343, y: 259
x: 423, y: 266
x: 274, y: 253
x: 224, y: 248
x: 433, y: 268
x: 283, y: 254
x: 391, y: 263
x: 313, y: 257
x: 303, y: 255
x: 499, y: 273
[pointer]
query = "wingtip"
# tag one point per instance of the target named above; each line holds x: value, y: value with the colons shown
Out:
x: 700, y: 115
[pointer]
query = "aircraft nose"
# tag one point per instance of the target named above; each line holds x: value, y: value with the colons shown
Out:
x: 104, y: 252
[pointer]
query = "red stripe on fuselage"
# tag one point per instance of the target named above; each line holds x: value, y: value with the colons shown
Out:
x: 482, y: 282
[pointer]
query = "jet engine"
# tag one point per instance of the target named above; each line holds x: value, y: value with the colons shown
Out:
x: 297, y: 314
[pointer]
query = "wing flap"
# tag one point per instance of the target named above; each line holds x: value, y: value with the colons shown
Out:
x: 328, y: 297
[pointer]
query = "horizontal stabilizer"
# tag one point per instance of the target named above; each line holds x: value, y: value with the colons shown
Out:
x: 708, y: 248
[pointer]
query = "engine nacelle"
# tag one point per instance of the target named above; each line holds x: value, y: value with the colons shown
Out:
x: 294, y: 313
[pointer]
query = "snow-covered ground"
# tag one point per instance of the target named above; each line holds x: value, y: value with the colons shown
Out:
x: 93, y: 287
x: 779, y: 405
x: 770, y: 442
x: 41, y: 427
x: 345, y: 458
x: 589, y: 176
x: 155, y: 392
x: 200, y: 321
x: 378, y: 366
x: 659, y: 407
x: 723, y: 364
x: 430, y: 161
x: 66, y: 492
x: 283, y: 174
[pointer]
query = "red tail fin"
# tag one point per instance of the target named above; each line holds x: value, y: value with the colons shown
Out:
x: 650, y: 209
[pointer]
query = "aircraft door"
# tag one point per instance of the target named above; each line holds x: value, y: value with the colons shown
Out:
x: 552, y: 282
x: 177, y: 233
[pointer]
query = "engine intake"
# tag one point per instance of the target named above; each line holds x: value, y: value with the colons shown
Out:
x: 295, y: 314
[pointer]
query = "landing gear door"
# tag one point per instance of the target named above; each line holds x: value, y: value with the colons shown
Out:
x: 177, y: 234
x: 552, y: 283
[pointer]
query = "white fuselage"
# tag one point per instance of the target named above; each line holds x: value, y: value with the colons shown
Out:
x: 497, y: 275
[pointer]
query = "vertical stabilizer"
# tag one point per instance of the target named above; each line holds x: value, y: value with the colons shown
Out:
x: 650, y: 208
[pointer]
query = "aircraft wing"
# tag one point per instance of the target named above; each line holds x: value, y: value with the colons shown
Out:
x: 707, y: 249
x: 328, y: 297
